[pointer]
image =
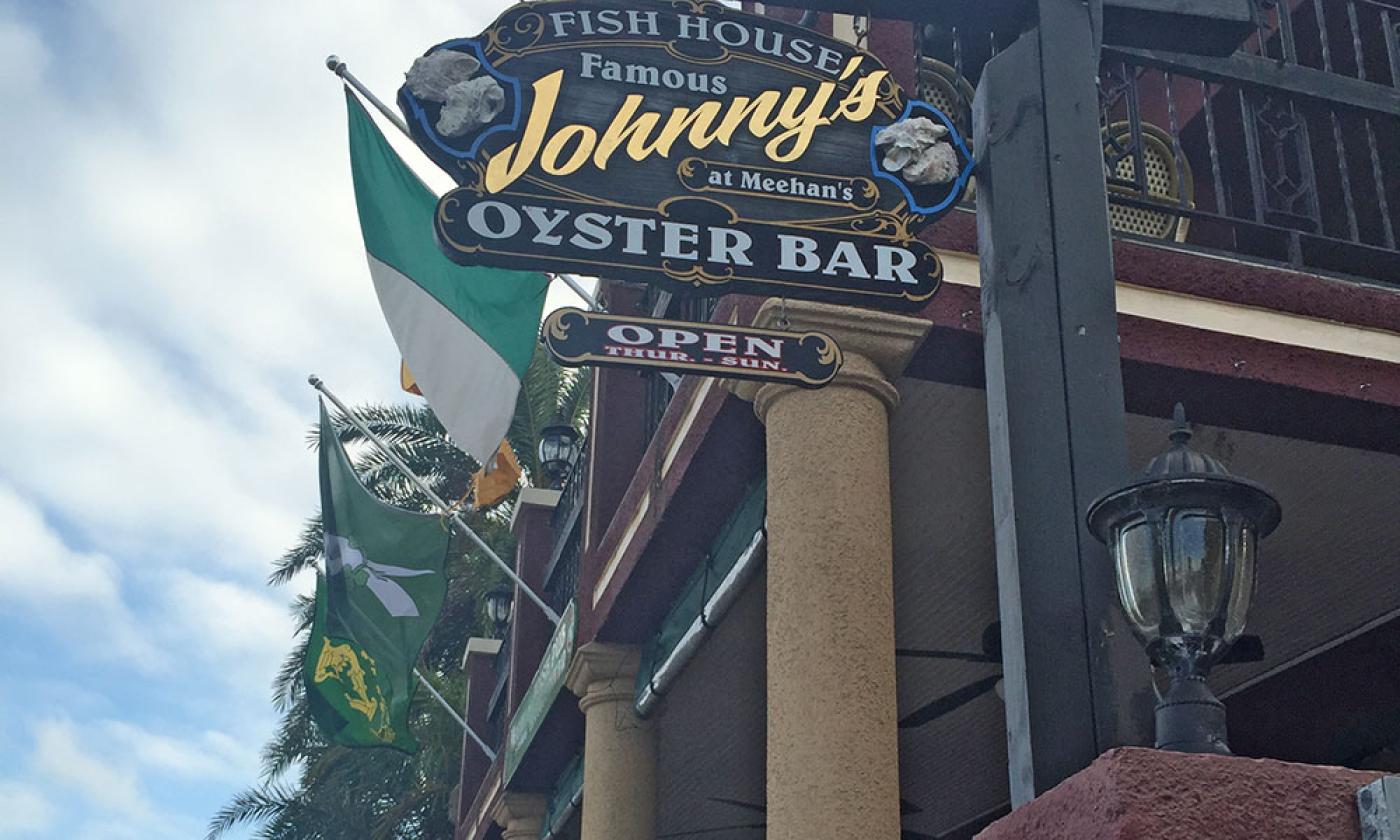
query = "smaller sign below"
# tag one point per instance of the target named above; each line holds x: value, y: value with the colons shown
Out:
x: 575, y: 337
x: 544, y: 689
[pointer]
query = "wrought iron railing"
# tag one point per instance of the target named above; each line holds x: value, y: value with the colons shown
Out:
x: 562, y: 584
x: 561, y: 575
x: 657, y: 391
x: 572, y: 496
x: 1286, y: 151
x: 496, y: 712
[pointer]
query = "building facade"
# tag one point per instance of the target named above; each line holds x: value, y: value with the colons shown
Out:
x: 785, y: 615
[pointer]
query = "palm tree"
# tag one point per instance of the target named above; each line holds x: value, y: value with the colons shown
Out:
x: 549, y: 395
x: 312, y: 789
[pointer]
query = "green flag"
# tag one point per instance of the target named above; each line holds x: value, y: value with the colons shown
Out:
x: 380, y: 594
x: 466, y: 332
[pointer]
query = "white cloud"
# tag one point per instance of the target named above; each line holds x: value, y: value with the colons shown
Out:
x: 236, y: 634
x: 207, y: 755
x: 25, y: 808
x: 75, y: 594
x: 23, y: 58
x: 181, y: 249
x: 60, y: 757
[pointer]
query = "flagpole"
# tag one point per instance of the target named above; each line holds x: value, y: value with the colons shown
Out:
x: 336, y: 65
x: 578, y: 289
x: 490, y: 753
x: 443, y: 507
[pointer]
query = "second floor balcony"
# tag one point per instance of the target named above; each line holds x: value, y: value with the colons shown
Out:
x: 1286, y: 152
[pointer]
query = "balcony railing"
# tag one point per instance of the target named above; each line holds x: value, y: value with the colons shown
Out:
x: 496, y: 712
x: 561, y: 575
x: 1288, y: 151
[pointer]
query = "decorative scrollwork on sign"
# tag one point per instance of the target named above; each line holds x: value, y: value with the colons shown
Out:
x: 521, y: 35
x: 888, y: 224
x: 696, y: 7
x: 890, y: 97
x: 697, y: 275
x: 558, y: 328
x: 877, y: 224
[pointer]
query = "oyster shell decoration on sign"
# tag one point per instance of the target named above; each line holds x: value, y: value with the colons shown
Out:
x: 468, y: 103
x: 916, y: 150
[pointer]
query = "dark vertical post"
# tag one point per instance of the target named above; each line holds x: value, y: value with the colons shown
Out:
x: 1076, y: 680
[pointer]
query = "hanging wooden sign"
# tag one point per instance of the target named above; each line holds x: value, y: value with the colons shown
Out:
x: 575, y: 338
x: 689, y: 144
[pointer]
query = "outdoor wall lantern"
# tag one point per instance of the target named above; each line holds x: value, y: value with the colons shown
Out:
x: 559, y: 448
x: 1183, y: 540
x: 498, y: 604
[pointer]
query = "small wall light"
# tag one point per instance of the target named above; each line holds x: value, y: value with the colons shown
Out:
x: 498, y: 606
x: 559, y: 449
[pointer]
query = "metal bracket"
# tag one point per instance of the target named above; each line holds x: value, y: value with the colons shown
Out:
x: 1379, y: 806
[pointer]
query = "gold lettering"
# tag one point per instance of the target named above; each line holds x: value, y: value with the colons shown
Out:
x: 800, y: 125
x: 624, y: 128
x: 587, y: 139
x: 512, y: 161
x: 676, y: 124
x: 701, y: 120
x: 860, y: 103
x: 759, y: 112
x: 798, y: 112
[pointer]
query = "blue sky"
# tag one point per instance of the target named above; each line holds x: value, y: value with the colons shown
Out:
x: 178, y: 251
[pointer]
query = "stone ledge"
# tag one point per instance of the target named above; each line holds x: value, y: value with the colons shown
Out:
x: 1140, y: 794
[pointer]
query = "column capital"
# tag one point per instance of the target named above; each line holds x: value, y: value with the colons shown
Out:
x: 884, y: 338
x: 877, y: 346
x: 520, y: 815
x: 602, y: 672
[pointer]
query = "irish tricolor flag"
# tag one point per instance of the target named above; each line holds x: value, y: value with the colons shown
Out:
x: 467, y: 333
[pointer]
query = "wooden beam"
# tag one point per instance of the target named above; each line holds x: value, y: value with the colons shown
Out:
x: 1214, y: 27
x: 1076, y: 680
x: 1328, y: 88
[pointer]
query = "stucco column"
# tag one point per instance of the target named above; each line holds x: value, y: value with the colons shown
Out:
x: 619, y: 748
x: 520, y: 815
x: 833, y: 747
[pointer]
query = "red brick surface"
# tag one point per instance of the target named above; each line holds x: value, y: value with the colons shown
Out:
x: 1141, y: 794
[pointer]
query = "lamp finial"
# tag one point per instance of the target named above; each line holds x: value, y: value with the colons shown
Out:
x: 1181, y: 430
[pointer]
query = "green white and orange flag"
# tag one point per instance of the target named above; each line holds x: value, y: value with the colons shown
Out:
x: 467, y: 332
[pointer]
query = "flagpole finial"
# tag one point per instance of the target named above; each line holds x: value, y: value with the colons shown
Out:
x: 315, y: 381
x: 335, y: 65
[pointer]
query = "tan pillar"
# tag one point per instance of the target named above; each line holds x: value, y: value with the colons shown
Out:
x: 833, y: 749
x: 619, y: 748
x: 520, y: 815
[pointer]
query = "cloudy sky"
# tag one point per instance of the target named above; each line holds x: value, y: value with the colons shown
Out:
x: 179, y: 249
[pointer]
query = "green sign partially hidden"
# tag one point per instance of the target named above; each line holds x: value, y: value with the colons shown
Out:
x: 544, y: 688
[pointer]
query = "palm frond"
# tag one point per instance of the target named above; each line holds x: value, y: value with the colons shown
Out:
x: 305, y: 553
x: 252, y: 805
x: 294, y: 739
x: 287, y: 685
x: 575, y: 398
x: 422, y: 798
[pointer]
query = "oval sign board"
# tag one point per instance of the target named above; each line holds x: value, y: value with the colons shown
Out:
x: 574, y: 337
x: 685, y: 142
